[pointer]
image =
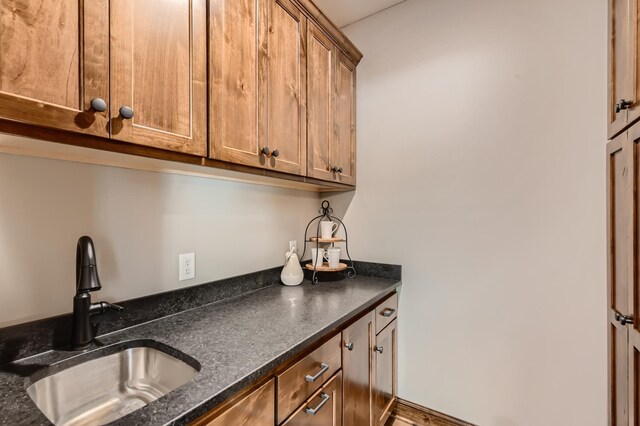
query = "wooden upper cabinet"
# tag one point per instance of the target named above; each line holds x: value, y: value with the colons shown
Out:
x: 237, y: 87
x: 624, y: 65
x: 345, y: 127
x: 357, y: 363
x: 385, y: 373
x: 159, y: 71
x: 321, y: 63
x: 54, y: 59
x: 331, y: 110
x: 286, y: 87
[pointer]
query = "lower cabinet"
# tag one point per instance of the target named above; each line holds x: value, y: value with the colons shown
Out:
x: 256, y: 409
x: 324, y: 408
x: 385, y: 372
x: 349, y: 379
x: 357, y: 361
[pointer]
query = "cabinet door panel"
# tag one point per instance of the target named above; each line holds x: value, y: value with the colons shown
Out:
x: 357, y: 363
x: 620, y: 61
x: 54, y: 60
x: 345, y: 116
x: 286, y: 126
x: 620, y: 168
x: 257, y: 409
x: 321, y: 64
x: 237, y: 102
x: 158, y: 68
x: 385, y: 363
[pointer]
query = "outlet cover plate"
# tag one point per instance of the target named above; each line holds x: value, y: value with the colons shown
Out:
x: 187, y: 266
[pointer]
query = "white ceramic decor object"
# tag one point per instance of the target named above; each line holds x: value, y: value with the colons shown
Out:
x: 292, y: 272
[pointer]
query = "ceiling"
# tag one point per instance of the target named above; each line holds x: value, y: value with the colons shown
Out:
x: 345, y: 12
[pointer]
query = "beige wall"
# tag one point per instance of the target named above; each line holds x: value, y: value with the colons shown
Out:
x: 481, y: 153
x: 140, y: 222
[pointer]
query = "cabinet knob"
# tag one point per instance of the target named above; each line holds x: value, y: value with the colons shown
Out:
x: 266, y: 151
x: 275, y: 153
x: 378, y: 349
x: 333, y: 169
x: 623, y: 319
x: 339, y: 170
x: 99, y: 104
x: 349, y: 346
x: 126, y: 112
x: 623, y: 104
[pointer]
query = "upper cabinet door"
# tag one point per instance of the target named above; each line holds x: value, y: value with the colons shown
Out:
x: 344, y: 151
x: 321, y: 63
x: 159, y: 73
x: 286, y: 90
x: 54, y: 60
x: 623, y: 65
x: 237, y: 102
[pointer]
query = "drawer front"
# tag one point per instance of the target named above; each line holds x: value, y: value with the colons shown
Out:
x: 324, y: 408
x: 305, y: 377
x: 386, y: 312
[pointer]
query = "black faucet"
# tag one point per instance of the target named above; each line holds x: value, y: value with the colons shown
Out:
x: 82, y: 330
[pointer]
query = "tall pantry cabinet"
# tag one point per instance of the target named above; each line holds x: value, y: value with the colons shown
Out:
x: 623, y: 179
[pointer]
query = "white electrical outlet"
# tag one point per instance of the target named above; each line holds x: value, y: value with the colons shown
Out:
x: 187, y: 266
x: 293, y: 245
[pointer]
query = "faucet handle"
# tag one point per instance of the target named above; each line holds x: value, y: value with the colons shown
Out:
x: 102, y: 307
x: 114, y: 306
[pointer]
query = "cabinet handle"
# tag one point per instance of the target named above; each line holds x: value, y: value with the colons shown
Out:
x: 266, y: 151
x: 378, y: 349
x: 126, y: 112
x: 339, y: 170
x: 349, y: 346
x: 275, y: 153
x: 623, y: 319
x: 323, y: 368
x: 325, y: 397
x: 99, y: 104
x: 387, y: 312
x: 623, y: 104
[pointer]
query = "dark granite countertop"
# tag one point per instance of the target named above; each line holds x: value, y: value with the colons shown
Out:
x: 237, y: 341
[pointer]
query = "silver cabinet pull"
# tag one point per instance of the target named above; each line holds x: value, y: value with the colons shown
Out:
x: 323, y: 367
x: 349, y: 346
x: 378, y: 349
x: 325, y: 397
x: 387, y: 312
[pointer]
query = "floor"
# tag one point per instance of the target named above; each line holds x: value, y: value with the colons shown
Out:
x: 407, y: 413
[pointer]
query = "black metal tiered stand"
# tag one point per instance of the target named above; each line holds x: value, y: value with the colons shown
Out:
x: 344, y: 269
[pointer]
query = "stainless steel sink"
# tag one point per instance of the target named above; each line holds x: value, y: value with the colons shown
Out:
x: 101, y: 390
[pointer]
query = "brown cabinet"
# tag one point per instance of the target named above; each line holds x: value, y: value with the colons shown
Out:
x: 256, y: 409
x: 624, y: 87
x: 286, y: 87
x: 623, y: 214
x: 159, y: 73
x: 304, y: 377
x: 54, y: 60
x: 331, y: 110
x: 131, y: 70
x: 357, y: 364
x: 324, y: 408
x: 385, y: 373
x: 237, y: 85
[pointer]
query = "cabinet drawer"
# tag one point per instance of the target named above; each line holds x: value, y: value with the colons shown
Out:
x: 306, y: 376
x: 324, y: 408
x: 386, y: 312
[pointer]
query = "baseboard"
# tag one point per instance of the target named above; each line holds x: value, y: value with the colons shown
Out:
x: 409, y: 413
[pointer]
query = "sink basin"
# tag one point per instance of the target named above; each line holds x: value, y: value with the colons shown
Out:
x: 104, y: 389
